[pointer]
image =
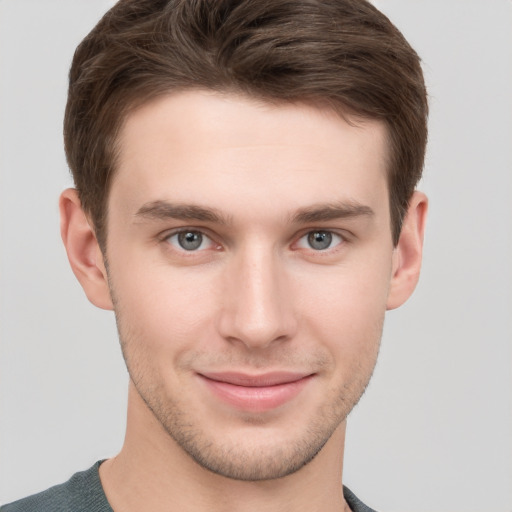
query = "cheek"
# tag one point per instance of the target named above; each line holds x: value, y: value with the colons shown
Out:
x: 161, y: 307
x: 345, y: 307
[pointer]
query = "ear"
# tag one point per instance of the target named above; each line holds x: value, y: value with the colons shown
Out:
x: 408, y: 252
x: 84, y: 253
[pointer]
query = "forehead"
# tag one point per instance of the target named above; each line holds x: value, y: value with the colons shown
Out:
x: 224, y: 150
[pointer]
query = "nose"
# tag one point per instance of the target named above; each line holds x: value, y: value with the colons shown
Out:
x: 258, y: 305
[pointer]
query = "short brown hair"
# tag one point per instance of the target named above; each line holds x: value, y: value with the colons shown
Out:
x: 344, y: 54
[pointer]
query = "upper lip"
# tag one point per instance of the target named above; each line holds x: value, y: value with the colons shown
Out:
x: 261, y: 380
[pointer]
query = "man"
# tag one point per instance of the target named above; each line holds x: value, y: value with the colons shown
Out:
x: 245, y: 202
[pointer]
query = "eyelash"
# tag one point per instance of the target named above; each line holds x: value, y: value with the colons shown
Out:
x: 184, y: 231
x: 332, y: 234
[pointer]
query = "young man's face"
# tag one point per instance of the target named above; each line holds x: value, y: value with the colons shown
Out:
x: 250, y: 263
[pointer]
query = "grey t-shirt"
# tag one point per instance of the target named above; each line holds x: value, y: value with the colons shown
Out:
x: 83, y: 493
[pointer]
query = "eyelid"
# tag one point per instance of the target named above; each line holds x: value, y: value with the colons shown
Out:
x: 166, y: 235
x: 344, y: 235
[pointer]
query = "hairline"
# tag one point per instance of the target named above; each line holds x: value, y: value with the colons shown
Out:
x: 349, y: 115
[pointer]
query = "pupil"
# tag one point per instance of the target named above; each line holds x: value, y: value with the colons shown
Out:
x: 190, y: 240
x: 320, y: 240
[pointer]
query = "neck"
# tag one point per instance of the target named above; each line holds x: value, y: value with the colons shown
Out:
x: 152, y: 471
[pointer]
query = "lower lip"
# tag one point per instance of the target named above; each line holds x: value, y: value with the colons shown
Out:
x: 256, y: 399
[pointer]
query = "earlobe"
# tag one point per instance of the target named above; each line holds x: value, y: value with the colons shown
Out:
x: 84, y: 253
x: 408, y: 252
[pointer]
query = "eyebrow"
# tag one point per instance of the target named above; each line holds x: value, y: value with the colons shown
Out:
x: 332, y: 211
x: 161, y: 210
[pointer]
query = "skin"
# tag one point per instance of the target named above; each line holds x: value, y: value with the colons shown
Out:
x: 258, y: 295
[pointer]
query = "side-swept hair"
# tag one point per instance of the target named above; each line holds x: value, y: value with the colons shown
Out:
x: 342, y: 54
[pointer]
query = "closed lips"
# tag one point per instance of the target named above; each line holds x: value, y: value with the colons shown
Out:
x: 256, y: 393
x: 263, y: 380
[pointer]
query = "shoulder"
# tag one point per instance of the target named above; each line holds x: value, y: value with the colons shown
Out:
x: 355, y: 504
x: 81, y: 493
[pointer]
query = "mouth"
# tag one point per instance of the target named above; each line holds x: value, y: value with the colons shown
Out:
x: 255, y: 393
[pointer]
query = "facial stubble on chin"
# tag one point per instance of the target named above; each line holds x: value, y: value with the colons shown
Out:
x: 235, y: 460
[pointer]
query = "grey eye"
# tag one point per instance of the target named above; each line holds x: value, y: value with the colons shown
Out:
x: 190, y: 240
x: 320, y: 240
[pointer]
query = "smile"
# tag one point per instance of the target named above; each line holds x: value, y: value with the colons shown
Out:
x: 256, y: 393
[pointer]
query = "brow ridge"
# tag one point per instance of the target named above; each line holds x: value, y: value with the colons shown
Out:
x: 161, y: 210
x: 332, y: 211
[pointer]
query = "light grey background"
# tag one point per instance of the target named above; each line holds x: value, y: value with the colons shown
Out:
x: 434, y: 432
